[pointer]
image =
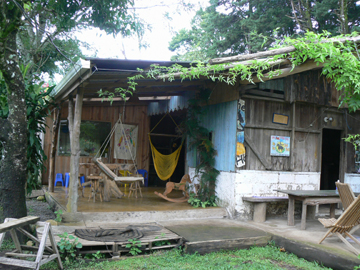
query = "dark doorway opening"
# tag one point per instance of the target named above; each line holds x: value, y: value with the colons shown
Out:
x: 330, y: 161
x: 166, y: 140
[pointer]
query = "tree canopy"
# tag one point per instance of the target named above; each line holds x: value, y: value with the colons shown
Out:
x: 45, y: 38
x: 230, y: 27
x: 32, y: 32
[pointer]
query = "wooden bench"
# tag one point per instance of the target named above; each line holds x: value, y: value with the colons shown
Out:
x: 52, y: 253
x: 260, y: 205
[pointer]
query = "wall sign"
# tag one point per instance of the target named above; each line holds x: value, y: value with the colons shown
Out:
x: 281, y: 119
x: 280, y: 146
x: 240, y: 148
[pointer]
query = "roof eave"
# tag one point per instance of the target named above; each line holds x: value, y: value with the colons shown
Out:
x: 72, y: 79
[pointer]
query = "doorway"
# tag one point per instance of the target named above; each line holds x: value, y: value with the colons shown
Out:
x: 330, y: 161
x: 166, y: 139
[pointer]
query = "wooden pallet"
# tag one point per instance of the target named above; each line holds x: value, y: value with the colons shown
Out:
x: 152, y: 240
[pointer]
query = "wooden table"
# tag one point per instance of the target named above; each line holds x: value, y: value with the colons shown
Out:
x: 309, y: 197
x: 95, y: 186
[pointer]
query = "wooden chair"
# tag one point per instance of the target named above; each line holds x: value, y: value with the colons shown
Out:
x: 343, y: 225
x: 346, y: 194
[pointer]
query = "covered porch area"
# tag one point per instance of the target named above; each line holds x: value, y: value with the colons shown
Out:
x: 149, y: 207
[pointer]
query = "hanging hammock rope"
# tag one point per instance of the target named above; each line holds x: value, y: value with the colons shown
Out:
x: 165, y: 164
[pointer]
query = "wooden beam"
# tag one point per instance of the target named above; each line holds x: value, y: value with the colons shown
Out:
x: 256, y: 152
x: 273, y: 52
x: 54, y: 140
x: 292, y: 139
x: 227, y: 67
x: 285, y: 72
x: 74, y: 128
x: 165, y: 135
x: 258, y: 92
x: 16, y: 223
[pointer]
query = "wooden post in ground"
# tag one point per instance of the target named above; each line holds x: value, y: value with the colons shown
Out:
x: 74, y: 129
x: 54, y: 136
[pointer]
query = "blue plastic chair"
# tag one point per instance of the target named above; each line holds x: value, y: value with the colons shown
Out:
x: 145, y: 174
x: 82, y: 179
x: 59, y: 178
x: 67, y: 179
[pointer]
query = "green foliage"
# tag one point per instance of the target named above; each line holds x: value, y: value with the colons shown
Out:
x: 161, y: 242
x: 7, y: 244
x: 48, y: 42
x: 58, y: 214
x: 199, y: 141
x: 227, y: 28
x: 269, y: 258
x: 38, y: 102
x: 68, y: 246
x: 196, y: 202
x: 341, y: 62
x: 134, y: 246
x: 120, y: 91
x: 95, y: 256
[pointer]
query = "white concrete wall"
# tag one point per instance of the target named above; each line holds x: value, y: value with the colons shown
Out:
x: 231, y: 187
x: 353, y: 179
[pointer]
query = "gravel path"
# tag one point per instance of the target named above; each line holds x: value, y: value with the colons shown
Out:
x: 40, y: 209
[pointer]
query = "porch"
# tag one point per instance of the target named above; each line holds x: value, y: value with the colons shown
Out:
x: 148, y: 208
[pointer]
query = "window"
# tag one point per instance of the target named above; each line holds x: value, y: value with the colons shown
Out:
x: 92, y: 136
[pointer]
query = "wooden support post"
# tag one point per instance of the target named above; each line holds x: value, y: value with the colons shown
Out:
x: 74, y: 129
x: 54, y: 136
x: 292, y: 140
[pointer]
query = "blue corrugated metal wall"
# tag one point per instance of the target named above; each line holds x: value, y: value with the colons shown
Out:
x: 220, y: 119
x: 175, y: 103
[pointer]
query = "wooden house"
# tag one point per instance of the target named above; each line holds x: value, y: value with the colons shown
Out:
x: 283, y: 133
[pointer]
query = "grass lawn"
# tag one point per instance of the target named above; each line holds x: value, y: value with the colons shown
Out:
x: 269, y: 257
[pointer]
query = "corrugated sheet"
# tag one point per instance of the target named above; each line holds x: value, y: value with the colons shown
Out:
x: 173, y: 104
x: 220, y: 119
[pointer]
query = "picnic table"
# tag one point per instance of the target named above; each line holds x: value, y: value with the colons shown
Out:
x: 312, y: 198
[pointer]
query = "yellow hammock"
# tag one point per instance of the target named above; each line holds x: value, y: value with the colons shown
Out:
x: 165, y: 164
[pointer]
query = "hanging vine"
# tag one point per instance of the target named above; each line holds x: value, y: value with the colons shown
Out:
x: 199, y: 140
x: 339, y: 57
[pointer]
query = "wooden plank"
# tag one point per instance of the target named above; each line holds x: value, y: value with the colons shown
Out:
x: 264, y: 199
x: 303, y: 216
x: 49, y: 259
x: 17, y: 262
x: 22, y: 255
x: 317, y: 201
x: 54, y: 246
x: 291, y: 208
x: 15, y: 223
x: 292, y: 144
x: 42, y: 243
x: 203, y: 247
x: 258, y: 92
x: 258, y: 155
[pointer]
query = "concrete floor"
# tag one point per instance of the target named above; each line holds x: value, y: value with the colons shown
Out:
x: 149, y: 201
x: 208, y: 229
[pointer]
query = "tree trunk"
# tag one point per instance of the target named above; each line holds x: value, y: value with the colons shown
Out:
x: 54, y: 135
x: 74, y: 128
x: 344, y: 21
x: 13, y: 130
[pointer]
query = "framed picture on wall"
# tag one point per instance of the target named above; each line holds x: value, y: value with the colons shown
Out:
x: 280, y: 146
